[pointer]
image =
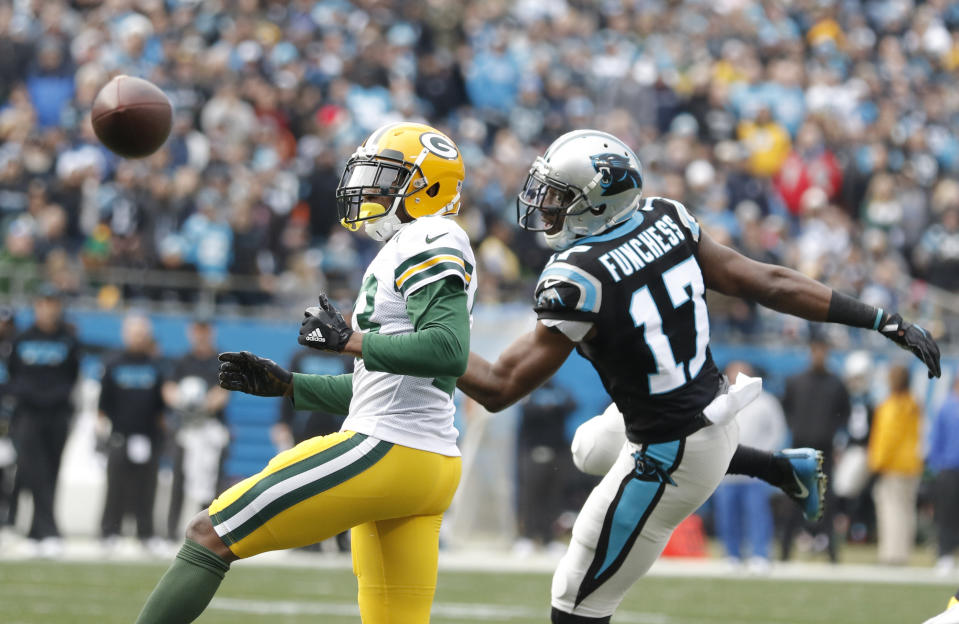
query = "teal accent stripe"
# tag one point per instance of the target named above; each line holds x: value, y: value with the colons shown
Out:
x: 590, y: 300
x: 636, y: 499
x: 283, y: 474
x: 630, y: 510
x: 307, y: 491
x: 426, y: 255
x: 424, y: 275
x: 879, y: 314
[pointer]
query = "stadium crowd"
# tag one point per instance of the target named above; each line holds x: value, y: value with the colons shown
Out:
x: 820, y: 135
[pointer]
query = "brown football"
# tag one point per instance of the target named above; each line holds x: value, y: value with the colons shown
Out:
x: 131, y: 116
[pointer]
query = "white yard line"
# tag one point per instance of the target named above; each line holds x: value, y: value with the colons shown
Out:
x: 453, y: 611
x: 14, y: 548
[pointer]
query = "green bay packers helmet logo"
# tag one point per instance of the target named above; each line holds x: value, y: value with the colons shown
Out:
x: 439, y: 145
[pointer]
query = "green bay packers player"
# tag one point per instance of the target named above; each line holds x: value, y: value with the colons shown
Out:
x: 391, y: 471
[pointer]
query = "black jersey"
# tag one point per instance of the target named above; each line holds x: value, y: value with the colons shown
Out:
x: 640, y: 286
x: 43, y: 369
x: 131, y: 394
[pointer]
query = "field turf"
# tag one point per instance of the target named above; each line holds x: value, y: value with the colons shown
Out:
x: 105, y: 593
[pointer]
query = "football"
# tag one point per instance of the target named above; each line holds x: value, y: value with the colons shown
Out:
x: 131, y: 116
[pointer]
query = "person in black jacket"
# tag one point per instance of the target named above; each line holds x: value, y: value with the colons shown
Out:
x: 817, y: 407
x: 197, y: 435
x: 8, y: 330
x: 44, y: 366
x: 131, y: 399
x: 544, y: 466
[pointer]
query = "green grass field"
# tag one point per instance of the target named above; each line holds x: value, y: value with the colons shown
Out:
x: 34, y: 592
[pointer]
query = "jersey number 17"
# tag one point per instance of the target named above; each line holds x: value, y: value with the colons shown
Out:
x: 683, y: 282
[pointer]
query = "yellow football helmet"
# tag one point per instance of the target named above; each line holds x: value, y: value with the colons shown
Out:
x: 401, y: 165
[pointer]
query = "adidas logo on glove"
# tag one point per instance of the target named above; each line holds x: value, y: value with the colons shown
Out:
x: 315, y: 336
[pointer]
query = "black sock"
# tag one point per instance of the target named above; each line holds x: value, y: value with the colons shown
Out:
x: 760, y: 464
x: 561, y: 617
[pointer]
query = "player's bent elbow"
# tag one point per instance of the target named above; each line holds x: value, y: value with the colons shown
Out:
x: 454, y: 356
x: 495, y: 404
x: 459, y: 363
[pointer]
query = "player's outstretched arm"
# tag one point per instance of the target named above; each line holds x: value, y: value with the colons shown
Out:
x: 245, y: 372
x: 786, y: 290
x: 520, y: 369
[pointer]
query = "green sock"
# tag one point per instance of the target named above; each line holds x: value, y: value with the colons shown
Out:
x: 186, y: 588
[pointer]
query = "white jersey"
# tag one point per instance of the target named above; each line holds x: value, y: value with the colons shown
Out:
x: 407, y: 410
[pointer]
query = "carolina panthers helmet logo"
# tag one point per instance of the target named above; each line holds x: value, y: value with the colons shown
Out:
x: 618, y: 174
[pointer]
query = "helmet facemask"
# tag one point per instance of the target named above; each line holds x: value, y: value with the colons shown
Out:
x: 550, y: 206
x: 365, y: 183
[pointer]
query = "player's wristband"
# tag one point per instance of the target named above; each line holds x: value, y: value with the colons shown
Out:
x: 845, y: 310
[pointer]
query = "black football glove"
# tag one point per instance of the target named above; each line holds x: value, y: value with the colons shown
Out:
x: 324, y: 328
x: 244, y: 372
x: 914, y: 339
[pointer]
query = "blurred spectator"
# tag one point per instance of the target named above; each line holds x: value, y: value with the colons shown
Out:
x: 767, y: 142
x: 197, y: 436
x: 943, y: 460
x: 50, y: 82
x: 499, y: 265
x: 209, y: 238
x: 8, y: 455
x: 743, y: 513
x: 543, y: 465
x: 810, y: 164
x: 894, y: 458
x: 16, y: 49
x: 44, y: 365
x: 493, y: 75
x: 937, y: 254
x: 131, y: 402
x: 765, y: 104
x: 17, y: 260
x: 852, y: 469
x: 816, y: 404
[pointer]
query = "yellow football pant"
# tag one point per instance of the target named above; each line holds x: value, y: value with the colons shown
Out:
x: 392, y: 496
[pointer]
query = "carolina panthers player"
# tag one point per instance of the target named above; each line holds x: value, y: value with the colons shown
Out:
x: 626, y: 289
x: 392, y: 469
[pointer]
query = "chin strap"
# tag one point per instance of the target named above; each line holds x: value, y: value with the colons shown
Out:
x: 384, y: 228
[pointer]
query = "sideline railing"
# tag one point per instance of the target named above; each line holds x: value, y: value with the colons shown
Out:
x: 189, y: 292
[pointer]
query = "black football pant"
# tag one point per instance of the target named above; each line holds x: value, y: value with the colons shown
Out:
x: 40, y: 439
x: 174, y: 532
x: 131, y: 488
x: 946, y: 511
x: 541, y: 474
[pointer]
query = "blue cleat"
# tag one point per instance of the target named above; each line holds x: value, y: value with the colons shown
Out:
x: 808, y: 485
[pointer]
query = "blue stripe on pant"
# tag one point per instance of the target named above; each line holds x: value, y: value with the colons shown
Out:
x: 636, y: 499
x: 615, y: 541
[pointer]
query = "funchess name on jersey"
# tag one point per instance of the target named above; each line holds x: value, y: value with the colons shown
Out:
x: 649, y: 244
